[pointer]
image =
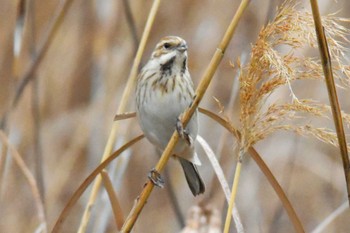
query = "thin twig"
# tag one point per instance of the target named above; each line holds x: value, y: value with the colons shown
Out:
x: 270, y: 11
x: 30, y: 178
x: 201, y: 89
x: 225, y: 158
x: 3, y: 160
x: 278, y: 190
x: 117, y: 210
x: 122, y: 106
x: 331, y: 217
x: 286, y: 179
x: 332, y: 92
x: 222, y: 180
x: 77, y: 194
x: 38, y: 156
x: 233, y: 195
x: 123, y: 116
x: 131, y: 23
x: 50, y: 34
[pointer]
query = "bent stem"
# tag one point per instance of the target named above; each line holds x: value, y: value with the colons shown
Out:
x: 121, y: 109
x: 77, y: 194
x: 201, y: 89
x: 117, y: 210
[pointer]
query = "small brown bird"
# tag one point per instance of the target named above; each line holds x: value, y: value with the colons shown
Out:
x: 164, y: 90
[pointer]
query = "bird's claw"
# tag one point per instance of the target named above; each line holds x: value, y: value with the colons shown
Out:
x: 183, y: 133
x: 156, y: 178
x: 180, y: 128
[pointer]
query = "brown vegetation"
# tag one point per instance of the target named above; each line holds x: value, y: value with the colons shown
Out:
x: 63, y: 72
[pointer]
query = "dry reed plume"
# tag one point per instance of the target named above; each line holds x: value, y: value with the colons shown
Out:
x: 276, y: 62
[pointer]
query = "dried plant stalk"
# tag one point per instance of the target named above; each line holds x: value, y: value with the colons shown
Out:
x: 123, y: 103
x: 233, y: 195
x: 77, y: 194
x: 330, y: 218
x: 124, y: 116
x: 201, y: 89
x: 222, y: 181
x: 49, y: 36
x: 3, y: 159
x: 30, y: 178
x: 117, y: 210
x: 332, y: 92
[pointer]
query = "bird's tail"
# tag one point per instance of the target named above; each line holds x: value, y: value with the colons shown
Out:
x: 193, y: 178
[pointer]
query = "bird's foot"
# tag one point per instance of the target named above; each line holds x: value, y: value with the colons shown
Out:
x: 183, y: 133
x: 156, y: 178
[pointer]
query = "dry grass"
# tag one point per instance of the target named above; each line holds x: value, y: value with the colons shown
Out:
x: 80, y: 81
x: 270, y: 68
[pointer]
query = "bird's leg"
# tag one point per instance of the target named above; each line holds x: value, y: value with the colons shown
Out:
x: 156, y: 178
x: 182, y: 132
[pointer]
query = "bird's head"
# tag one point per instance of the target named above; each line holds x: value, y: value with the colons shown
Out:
x: 171, y: 49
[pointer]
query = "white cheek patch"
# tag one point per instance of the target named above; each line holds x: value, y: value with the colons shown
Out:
x: 166, y: 57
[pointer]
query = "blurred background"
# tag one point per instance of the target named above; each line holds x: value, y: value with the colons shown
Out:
x: 63, y: 117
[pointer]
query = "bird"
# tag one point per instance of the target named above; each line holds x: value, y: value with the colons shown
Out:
x: 164, y: 90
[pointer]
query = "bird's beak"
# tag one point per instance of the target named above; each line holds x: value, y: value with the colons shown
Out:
x: 182, y: 48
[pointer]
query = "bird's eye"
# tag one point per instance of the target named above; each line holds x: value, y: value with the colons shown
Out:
x: 167, y: 45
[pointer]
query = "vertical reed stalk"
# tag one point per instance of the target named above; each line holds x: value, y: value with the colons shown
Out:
x: 233, y: 192
x: 332, y: 92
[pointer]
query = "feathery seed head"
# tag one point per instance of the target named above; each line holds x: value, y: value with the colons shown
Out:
x: 271, y: 67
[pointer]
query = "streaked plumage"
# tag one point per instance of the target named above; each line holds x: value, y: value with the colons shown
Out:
x: 164, y: 90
